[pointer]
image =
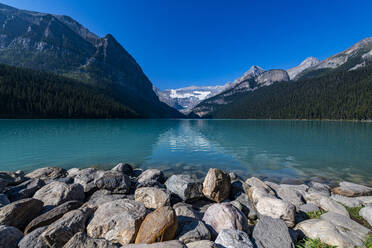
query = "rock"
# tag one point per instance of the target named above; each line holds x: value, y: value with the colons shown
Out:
x: 277, y: 208
x: 254, y: 181
x: 24, y: 190
x: 151, y: 174
x: 366, y: 213
x: 230, y: 238
x: 202, y: 205
x: 256, y: 193
x: 291, y: 181
x: 291, y: 196
x: 52, y: 215
x: 202, y: 244
x: 248, y: 208
x: 137, y: 172
x: 73, y: 172
x: 184, y: 186
x: 9, y: 236
x: 68, y: 180
x: 115, y: 182
x: 8, y: 178
x: 103, y: 196
x: 62, y: 230
x: 123, y: 168
x: 87, y: 178
x: 33, y: 239
x: 183, y: 210
x: 326, y: 232
x: 191, y: 229
x: 151, y: 183
x: 117, y: 221
x: 20, y: 213
x: 158, y: 226
x: 319, y: 188
x: 271, y: 233
x: 352, y: 189
x: 233, y: 176
x: 81, y: 240
x: 346, y: 223
x: 326, y: 203
x: 167, y: 244
x: 366, y: 200
x: 152, y: 197
x: 221, y: 216
x: 302, y: 188
x: 47, y: 173
x: 56, y: 193
x: 238, y: 187
x: 216, y: 185
x: 3, y: 200
x: 347, y: 201
x: 309, y: 207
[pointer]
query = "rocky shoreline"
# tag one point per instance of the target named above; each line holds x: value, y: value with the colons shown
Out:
x: 127, y: 207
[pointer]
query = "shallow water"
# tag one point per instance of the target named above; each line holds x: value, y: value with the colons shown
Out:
x: 267, y: 148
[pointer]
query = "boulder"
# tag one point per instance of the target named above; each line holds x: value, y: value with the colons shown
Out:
x: 158, y: 226
x: 3, y: 200
x: 254, y: 181
x: 152, y: 197
x: 167, y: 244
x: 366, y: 213
x: 301, y: 188
x: 52, y: 215
x: 47, y: 173
x: 217, y: 185
x: 82, y: 240
x: 24, y: 190
x: 123, y: 168
x: 20, y: 213
x: 366, y: 200
x: 221, y: 216
x: 61, y: 231
x: 191, y: 229
x: 256, y: 193
x: 308, y: 207
x: 231, y: 238
x: 9, y: 236
x: 291, y: 196
x: 185, y: 186
x: 277, y: 208
x: 33, y: 239
x: 271, y: 233
x: 326, y: 203
x: 103, y: 196
x: 185, y: 210
x: 56, y: 193
x: 8, y: 178
x: 248, y: 208
x: 346, y: 223
x: 238, y: 187
x: 115, y: 182
x: 150, y: 175
x: 117, y: 221
x: 326, y: 232
x: 87, y: 178
x: 350, y: 202
x: 319, y: 188
x: 202, y: 244
x: 352, y: 189
x: 233, y: 176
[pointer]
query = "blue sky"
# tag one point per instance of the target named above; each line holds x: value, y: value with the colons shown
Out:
x: 206, y: 42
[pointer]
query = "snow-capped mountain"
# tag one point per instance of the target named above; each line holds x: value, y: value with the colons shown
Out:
x: 184, y: 99
x: 307, y: 63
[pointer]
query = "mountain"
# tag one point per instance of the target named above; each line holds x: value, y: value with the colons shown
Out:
x: 59, y: 44
x: 184, y: 99
x: 307, y: 63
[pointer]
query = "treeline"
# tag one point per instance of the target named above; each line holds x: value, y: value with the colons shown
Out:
x: 26, y: 93
x: 336, y: 95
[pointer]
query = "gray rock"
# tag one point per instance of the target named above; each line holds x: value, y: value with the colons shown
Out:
x: 9, y: 236
x: 216, y: 185
x: 185, y: 186
x: 151, y: 183
x: 248, y: 208
x: 277, y: 208
x: 366, y: 200
x: 56, y: 193
x: 347, y: 224
x: 185, y: 210
x: 233, y: 176
x: 33, y: 239
x: 347, y: 201
x: 352, y: 189
x: 115, y: 182
x: 290, y: 195
x: 366, y: 213
x: 254, y: 181
x: 24, y: 190
x: 238, y: 187
x: 81, y: 240
x: 68, y: 180
x: 117, y: 221
x: 230, y: 238
x: 101, y: 197
x: 151, y: 174
x: 123, y: 168
x: 221, y: 216
x: 21, y: 212
x: 3, y: 200
x: 167, y: 244
x: 8, y: 178
x: 52, y: 215
x: 87, y: 178
x: 309, y: 207
x: 256, y: 193
x: 302, y: 188
x: 202, y: 244
x: 191, y: 229
x: 61, y: 231
x: 326, y: 203
x: 47, y: 173
x: 319, y: 188
x: 152, y: 197
x: 271, y: 233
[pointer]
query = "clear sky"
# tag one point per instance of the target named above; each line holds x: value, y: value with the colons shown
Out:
x: 205, y: 42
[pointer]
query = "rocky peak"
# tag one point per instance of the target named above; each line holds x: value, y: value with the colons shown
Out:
x: 307, y: 63
x: 269, y: 77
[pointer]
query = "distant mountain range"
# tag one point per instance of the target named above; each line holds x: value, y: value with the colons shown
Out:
x: 59, y: 44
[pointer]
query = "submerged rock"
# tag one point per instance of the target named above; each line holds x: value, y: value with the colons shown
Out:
x: 230, y: 238
x: 185, y: 186
x: 217, y: 185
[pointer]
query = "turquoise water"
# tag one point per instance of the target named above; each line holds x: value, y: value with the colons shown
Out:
x: 276, y: 149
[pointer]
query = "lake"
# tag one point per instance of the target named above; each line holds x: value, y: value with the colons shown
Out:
x: 278, y: 149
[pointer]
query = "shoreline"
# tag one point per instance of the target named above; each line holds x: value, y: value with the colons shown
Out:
x: 178, y: 210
